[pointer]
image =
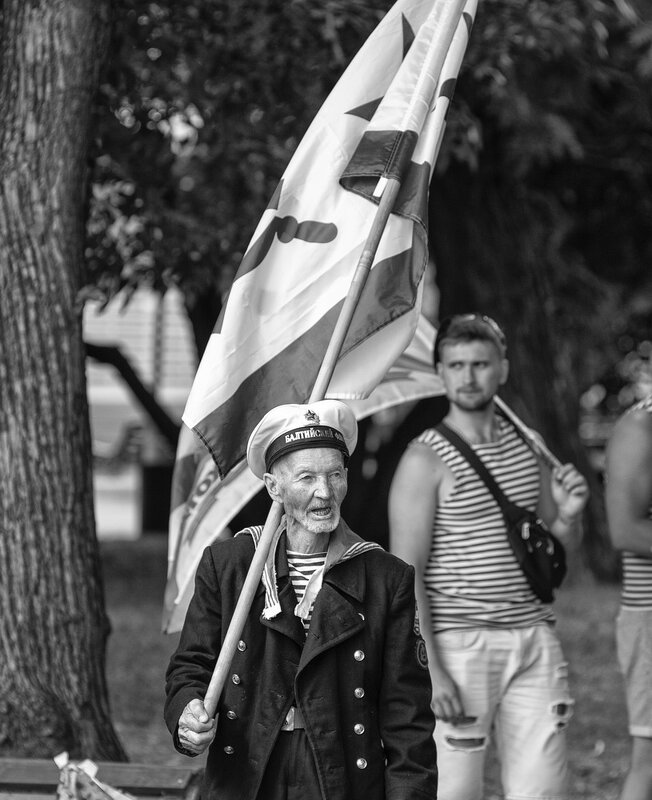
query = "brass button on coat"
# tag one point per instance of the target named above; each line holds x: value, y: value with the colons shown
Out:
x: 361, y: 763
x: 359, y: 692
x: 235, y: 679
x: 229, y: 750
x: 242, y: 646
x: 231, y: 715
x: 359, y: 728
x: 359, y: 655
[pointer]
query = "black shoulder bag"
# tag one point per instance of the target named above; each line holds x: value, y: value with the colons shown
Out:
x: 539, y: 553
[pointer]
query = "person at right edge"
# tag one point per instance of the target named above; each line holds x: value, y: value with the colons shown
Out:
x: 628, y: 499
x: 496, y: 663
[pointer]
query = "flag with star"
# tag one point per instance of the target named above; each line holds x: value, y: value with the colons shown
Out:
x: 383, y: 120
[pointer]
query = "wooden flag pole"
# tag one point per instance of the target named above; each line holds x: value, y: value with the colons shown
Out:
x: 360, y: 276
x: 538, y: 445
x: 245, y: 600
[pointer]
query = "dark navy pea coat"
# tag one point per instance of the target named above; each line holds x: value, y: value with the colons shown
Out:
x: 359, y: 677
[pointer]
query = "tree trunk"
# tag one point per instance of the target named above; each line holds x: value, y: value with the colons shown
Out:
x: 53, y: 626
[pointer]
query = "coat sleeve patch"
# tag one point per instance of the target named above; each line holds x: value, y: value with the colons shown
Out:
x: 422, y: 655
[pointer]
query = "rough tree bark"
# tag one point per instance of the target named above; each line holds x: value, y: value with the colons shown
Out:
x: 53, y: 626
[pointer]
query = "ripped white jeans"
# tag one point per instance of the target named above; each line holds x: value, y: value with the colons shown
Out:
x: 515, y: 683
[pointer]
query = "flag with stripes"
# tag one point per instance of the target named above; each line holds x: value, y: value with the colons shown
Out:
x: 383, y: 120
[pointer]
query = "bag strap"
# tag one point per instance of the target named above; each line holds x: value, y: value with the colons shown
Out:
x: 476, y: 462
x: 521, y: 434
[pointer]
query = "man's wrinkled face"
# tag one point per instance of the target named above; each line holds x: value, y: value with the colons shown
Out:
x: 472, y: 373
x: 311, y: 484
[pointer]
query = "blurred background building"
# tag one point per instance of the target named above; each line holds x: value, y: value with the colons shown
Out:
x: 132, y: 460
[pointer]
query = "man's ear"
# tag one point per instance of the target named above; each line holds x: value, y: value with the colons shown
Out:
x: 504, y: 371
x: 271, y: 484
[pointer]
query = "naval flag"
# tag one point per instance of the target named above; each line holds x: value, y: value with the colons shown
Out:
x: 384, y: 119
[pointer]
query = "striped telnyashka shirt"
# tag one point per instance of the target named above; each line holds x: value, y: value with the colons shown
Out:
x: 637, y: 570
x: 302, y: 566
x: 472, y: 577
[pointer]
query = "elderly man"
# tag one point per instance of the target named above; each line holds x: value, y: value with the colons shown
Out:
x: 329, y: 696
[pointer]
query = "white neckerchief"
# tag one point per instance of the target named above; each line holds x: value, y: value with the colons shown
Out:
x: 342, y: 546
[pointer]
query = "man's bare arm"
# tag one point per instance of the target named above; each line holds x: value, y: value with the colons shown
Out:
x: 412, y: 506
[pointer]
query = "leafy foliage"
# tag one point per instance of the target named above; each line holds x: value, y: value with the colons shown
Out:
x: 201, y: 107
x: 559, y: 191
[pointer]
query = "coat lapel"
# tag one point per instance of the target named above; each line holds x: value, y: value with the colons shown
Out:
x: 335, y: 617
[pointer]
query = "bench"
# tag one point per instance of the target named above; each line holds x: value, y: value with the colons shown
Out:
x: 37, y: 779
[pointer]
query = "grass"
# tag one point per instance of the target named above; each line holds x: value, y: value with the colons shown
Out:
x: 138, y: 653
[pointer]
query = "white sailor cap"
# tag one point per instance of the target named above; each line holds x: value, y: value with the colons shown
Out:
x: 325, y: 423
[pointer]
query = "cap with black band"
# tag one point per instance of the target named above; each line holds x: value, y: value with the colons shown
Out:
x: 288, y: 428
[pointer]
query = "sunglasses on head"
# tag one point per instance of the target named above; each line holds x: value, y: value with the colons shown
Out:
x: 456, y: 319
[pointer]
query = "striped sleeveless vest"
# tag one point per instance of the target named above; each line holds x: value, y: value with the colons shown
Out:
x: 472, y: 577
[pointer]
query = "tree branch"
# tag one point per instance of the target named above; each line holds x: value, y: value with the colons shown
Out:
x: 111, y: 354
